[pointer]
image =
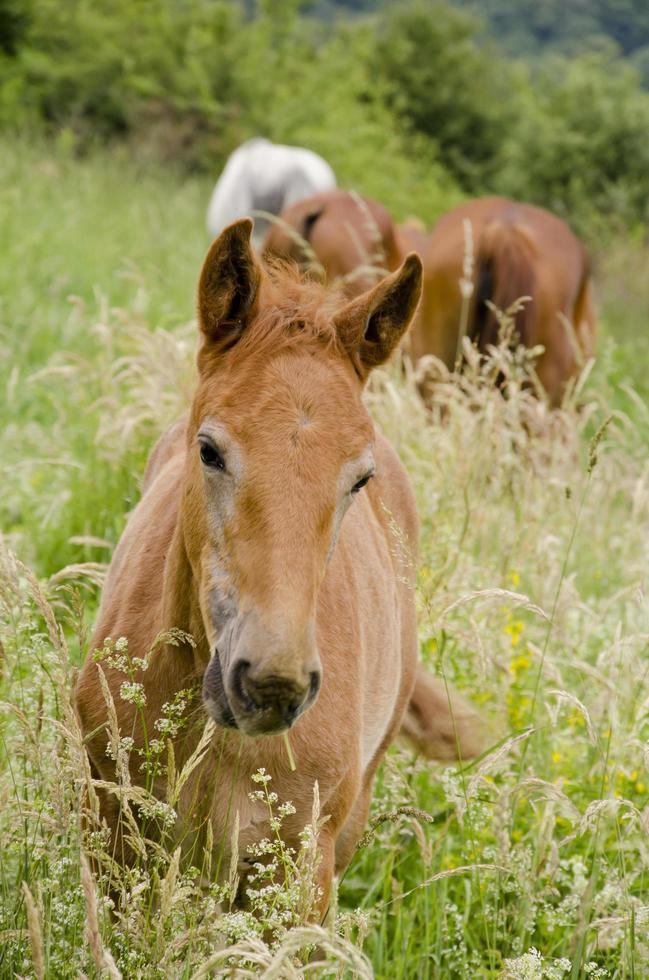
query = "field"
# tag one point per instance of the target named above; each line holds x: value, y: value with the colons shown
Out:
x: 531, y: 862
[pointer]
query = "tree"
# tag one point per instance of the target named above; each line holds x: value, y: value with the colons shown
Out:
x: 580, y: 145
x: 444, y: 85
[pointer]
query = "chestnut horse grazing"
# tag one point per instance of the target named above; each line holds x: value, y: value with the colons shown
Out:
x: 351, y: 237
x: 278, y: 528
x: 520, y: 250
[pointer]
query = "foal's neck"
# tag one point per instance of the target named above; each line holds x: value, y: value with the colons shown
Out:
x: 180, y: 609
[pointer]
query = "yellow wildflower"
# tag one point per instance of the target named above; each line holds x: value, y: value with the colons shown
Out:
x: 513, y: 629
x: 518, y: 664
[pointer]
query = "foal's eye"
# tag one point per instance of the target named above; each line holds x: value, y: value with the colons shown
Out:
x: 362, y: 482
x: 210, y: 456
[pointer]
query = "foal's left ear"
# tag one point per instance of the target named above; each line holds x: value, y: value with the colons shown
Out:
x: 228, y: 289
x: 371, y: 326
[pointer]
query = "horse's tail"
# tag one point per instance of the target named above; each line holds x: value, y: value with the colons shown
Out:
x: 584, y: 317
x: 439, y: 722
x: 504, y: 274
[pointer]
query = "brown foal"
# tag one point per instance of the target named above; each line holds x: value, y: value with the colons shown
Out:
x: 279, y: 529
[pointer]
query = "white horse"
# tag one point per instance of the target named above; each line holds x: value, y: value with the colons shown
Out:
x: 265, y: 176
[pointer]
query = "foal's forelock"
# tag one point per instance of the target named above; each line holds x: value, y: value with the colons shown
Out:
x: 296, y: 314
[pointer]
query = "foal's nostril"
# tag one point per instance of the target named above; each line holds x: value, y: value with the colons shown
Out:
x: 240, y: 685
x: 315, y: 680
x: 214, y: 692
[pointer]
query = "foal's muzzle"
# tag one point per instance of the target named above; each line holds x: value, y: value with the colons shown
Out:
x: 267, y: 704
x: 256, y: 703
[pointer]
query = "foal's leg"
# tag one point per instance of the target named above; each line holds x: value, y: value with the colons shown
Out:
x: 326, y: 870
x: 440, y: 723
x: 354, y: 826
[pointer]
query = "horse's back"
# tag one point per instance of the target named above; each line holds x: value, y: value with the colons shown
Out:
x: 310, y: 173
x: 451, y: 239
x: 510, y: 249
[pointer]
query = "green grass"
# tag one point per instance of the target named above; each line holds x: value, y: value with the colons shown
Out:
x: 531, y: 583
x: 84, y: 241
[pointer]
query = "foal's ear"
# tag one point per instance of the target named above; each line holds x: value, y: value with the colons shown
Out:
x: 228, y: 289
x: 371, y: 326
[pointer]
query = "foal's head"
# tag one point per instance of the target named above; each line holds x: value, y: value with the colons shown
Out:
x: 280, y: 445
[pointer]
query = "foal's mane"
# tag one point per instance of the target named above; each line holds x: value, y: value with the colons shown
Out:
x: 295, y: 312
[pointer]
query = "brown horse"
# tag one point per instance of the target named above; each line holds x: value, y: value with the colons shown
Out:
x: 350, y: 237
x: 278, y: 528
x: 520, y: 250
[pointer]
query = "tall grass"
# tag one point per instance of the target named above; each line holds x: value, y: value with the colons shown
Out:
x: 530, y: 862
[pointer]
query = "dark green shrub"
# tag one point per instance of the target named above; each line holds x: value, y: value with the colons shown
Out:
x: 445, y: 85
x: 580, y: 144
x: 565, y: 26
x: 109, y: 67
x: 14, y: 19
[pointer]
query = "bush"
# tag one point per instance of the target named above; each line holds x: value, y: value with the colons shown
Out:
x: 340, y: 113
x: 580, y: 144
x: 445, y: 85
x: 566, y: 26
x: 408, y: 107
x: 108, y: 68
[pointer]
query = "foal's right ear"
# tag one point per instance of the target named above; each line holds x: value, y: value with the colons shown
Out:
x: 228, y: 289
x: 371, y: 326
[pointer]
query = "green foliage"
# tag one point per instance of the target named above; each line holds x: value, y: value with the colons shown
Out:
x: 543, y: 842
x: 640, y: 61
x: 14, y: 17
x: 531, y: 27
x: 445, y: 86
x: 580, y: 145
x: 409, y: 106
x: 570, y: 136
x: 341, y: 114
x: 111, y: 67
x: 569, y: 26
